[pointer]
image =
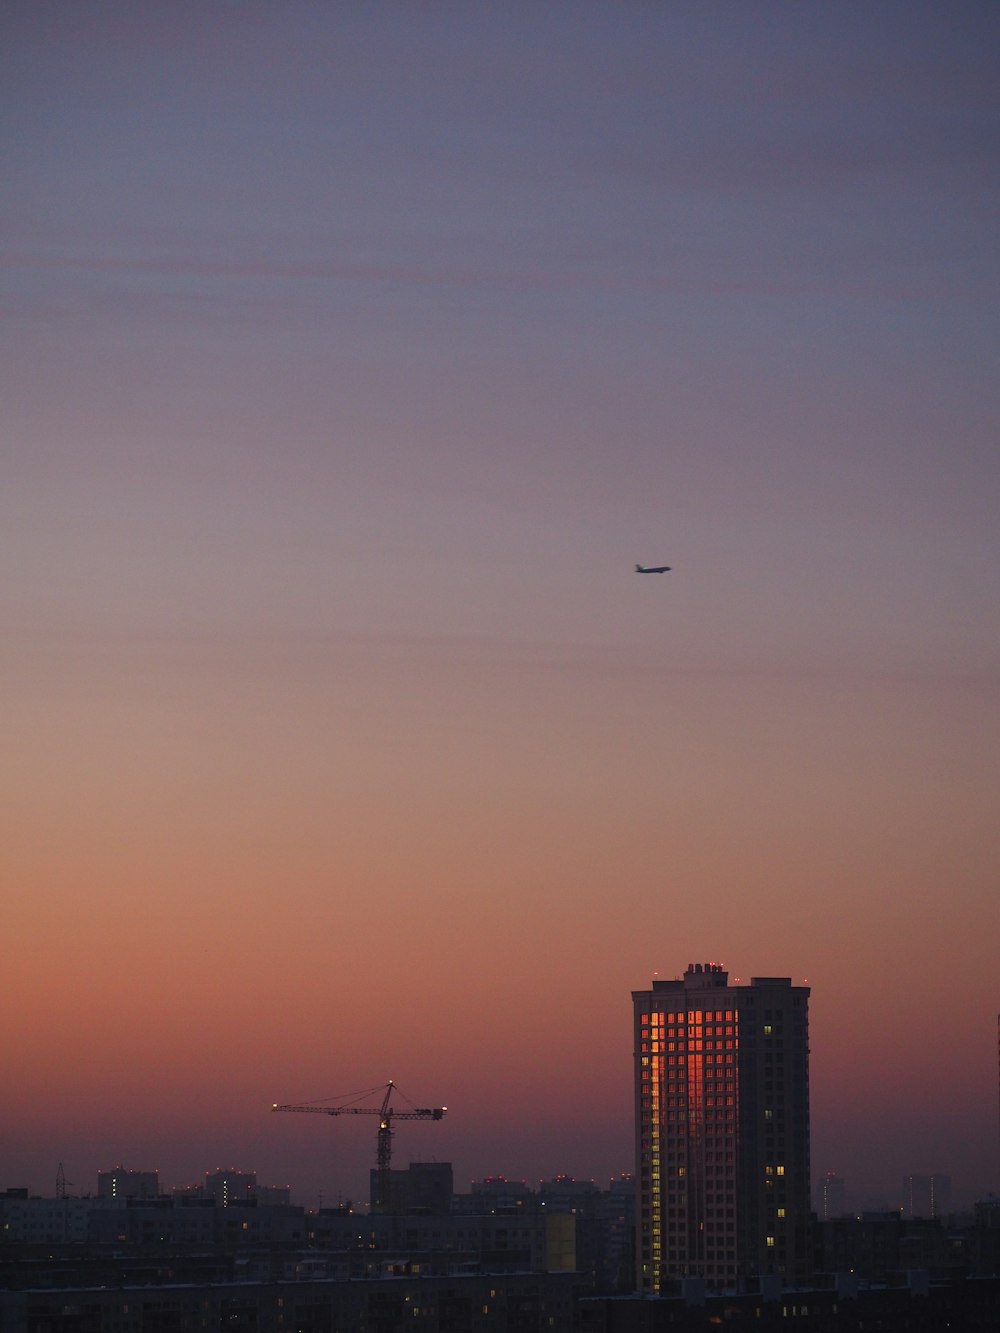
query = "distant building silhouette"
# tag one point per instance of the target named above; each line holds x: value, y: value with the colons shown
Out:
x: 878, y: 1247
x: 926, y: 1196
x: 423, y: 1188
x: 127, y: 1184
x: 497, y: 1194
x: 230, y: 1187
x: 722, y: 1130
x: 831, y: 1195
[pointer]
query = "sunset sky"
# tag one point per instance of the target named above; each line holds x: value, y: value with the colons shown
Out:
x: 354, y: 355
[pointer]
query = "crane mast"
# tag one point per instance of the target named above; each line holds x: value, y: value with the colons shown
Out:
x: 386, y: 1113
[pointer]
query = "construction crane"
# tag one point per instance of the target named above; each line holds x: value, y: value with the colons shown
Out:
x: 62, y: 1184
x: 386, y: 1114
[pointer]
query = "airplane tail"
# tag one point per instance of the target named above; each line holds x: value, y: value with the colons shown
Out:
x: 638, y: 569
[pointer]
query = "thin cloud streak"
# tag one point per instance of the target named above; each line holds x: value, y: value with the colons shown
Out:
x: 529, y: 282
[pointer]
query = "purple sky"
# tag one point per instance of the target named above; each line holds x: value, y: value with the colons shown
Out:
x: 354, y: 356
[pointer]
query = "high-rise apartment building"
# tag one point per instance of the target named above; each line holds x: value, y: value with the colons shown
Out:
x: 722, y: 1129
x: 831, y: 1196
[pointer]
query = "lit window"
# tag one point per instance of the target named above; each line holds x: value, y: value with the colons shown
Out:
x: 770, y: 1242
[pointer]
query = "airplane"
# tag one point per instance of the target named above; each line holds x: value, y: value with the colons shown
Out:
x: 652, y: 569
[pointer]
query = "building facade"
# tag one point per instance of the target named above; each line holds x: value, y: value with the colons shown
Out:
x: 722, y: 1130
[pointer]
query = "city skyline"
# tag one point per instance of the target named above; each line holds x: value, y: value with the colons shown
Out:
x: 867, y: 1192
x: 355, y: 358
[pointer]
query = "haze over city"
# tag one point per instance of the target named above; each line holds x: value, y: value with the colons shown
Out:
x: 355, y: 356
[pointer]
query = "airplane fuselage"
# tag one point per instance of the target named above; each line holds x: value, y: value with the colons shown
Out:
x: 652, y: 569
